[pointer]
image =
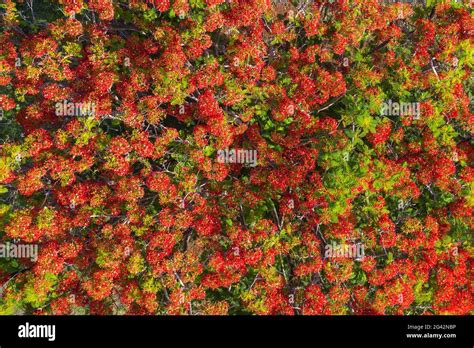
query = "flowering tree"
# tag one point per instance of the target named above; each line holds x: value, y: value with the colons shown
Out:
x: 358, y: 110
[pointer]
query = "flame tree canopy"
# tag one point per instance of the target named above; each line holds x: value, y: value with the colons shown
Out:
x: 358, y: 113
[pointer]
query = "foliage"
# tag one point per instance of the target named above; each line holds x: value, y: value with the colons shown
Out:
x: 133, y: 213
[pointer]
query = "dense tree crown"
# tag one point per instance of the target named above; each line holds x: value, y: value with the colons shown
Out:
x: 126, y: 133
